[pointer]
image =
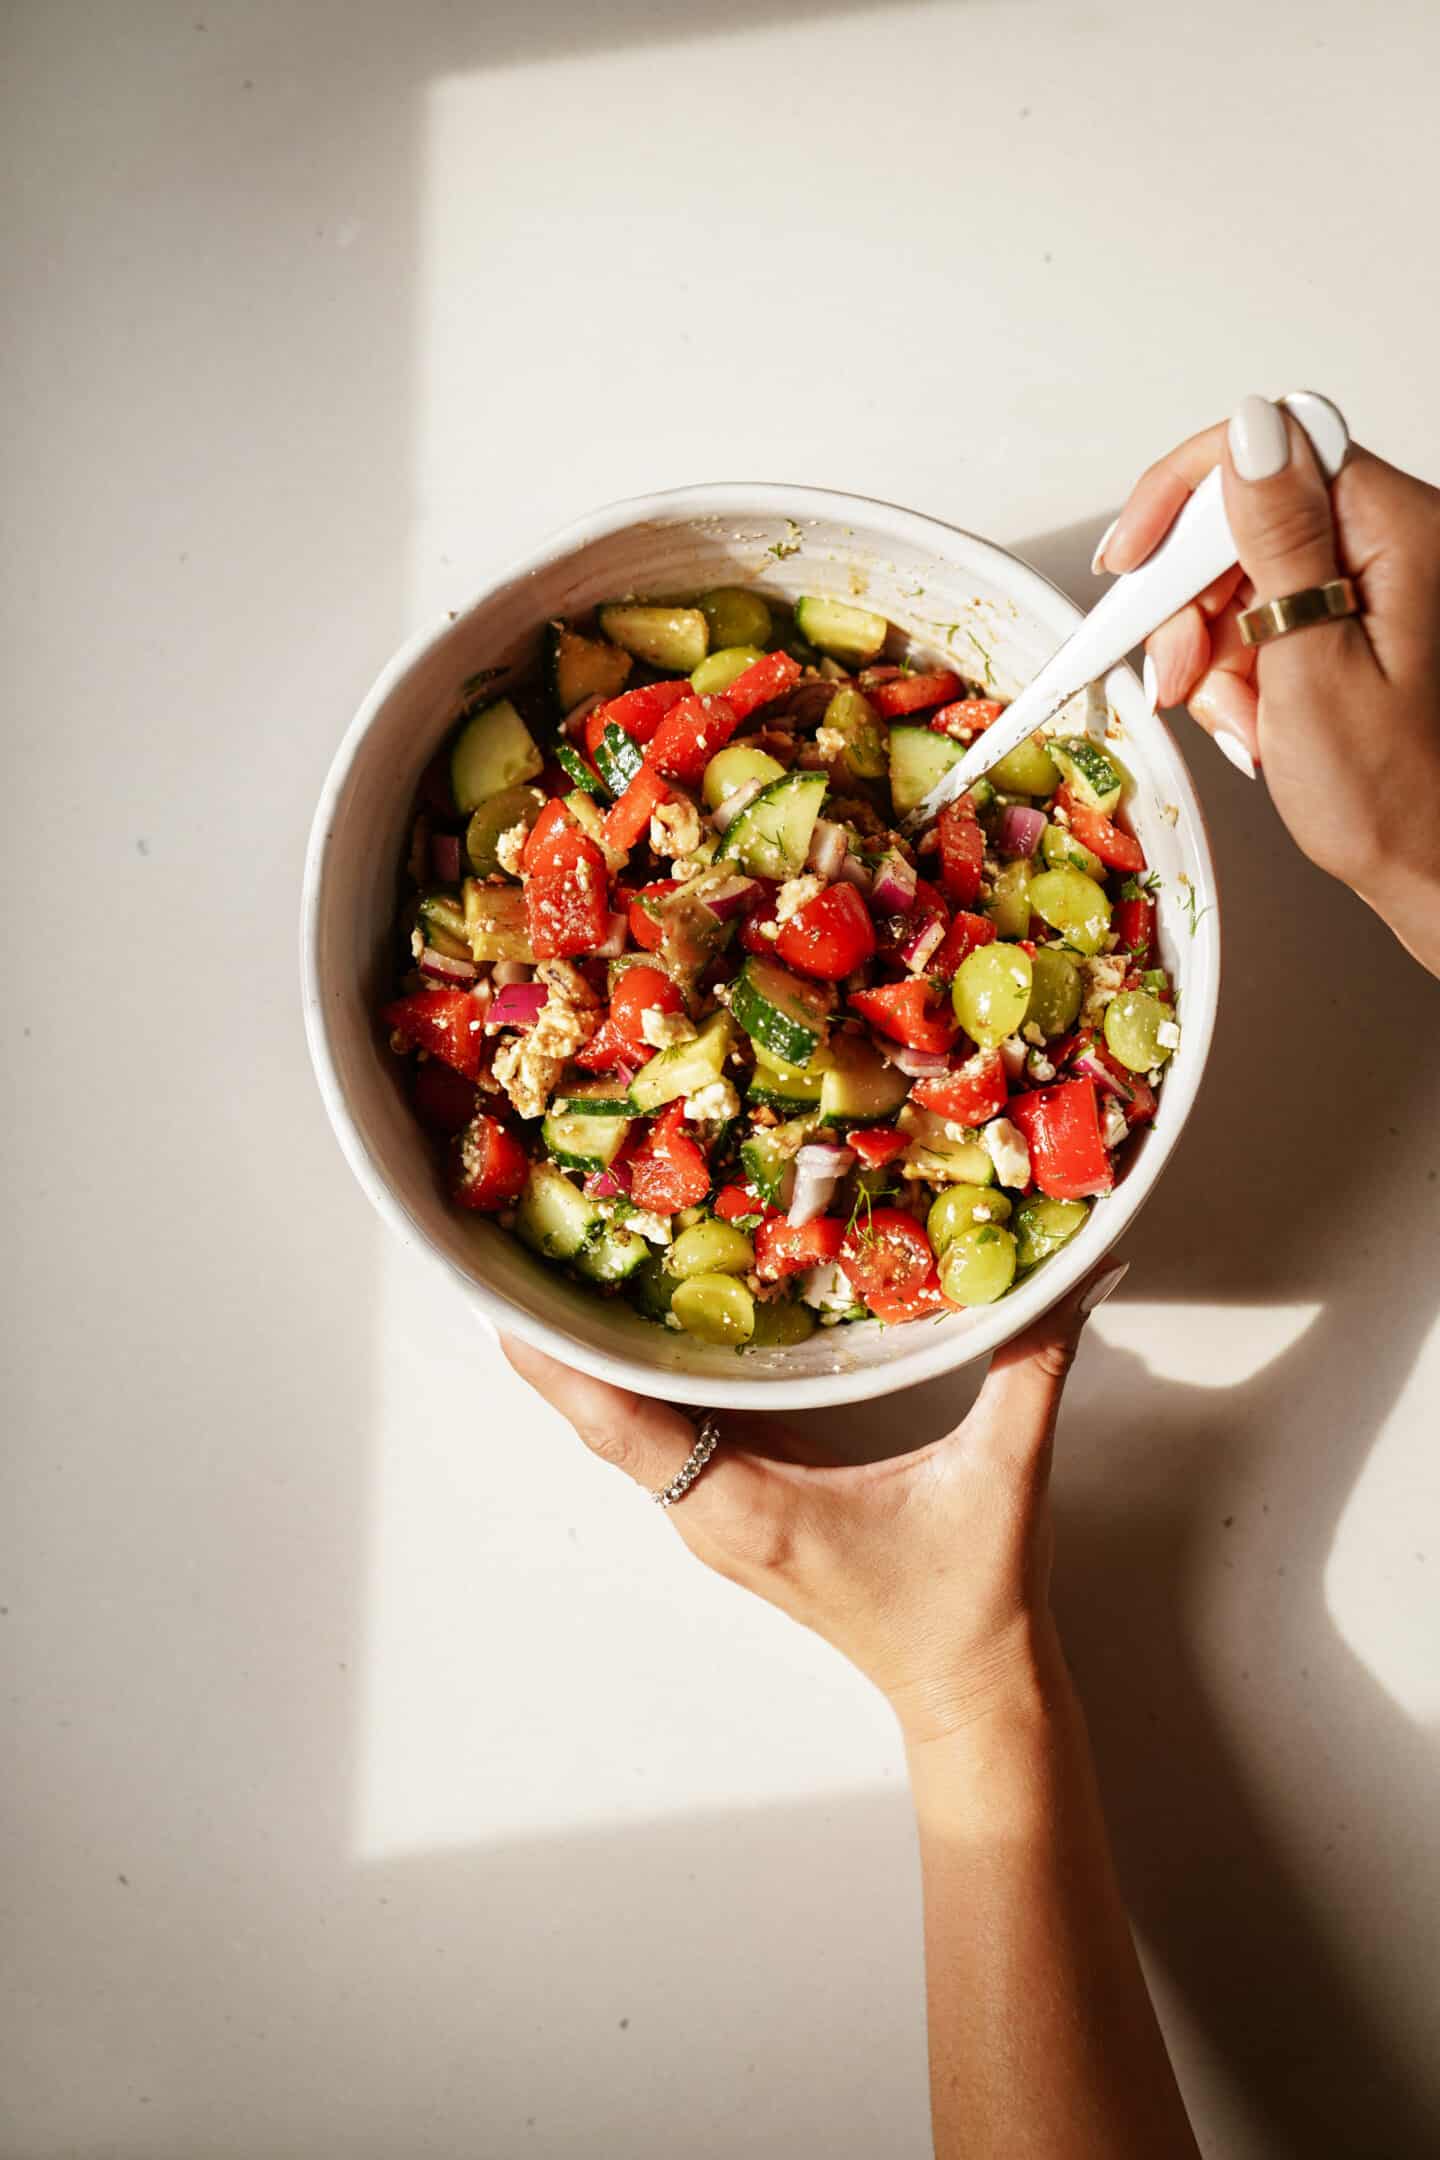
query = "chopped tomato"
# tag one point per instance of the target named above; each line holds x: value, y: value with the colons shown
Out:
x: 967, y: 717
x: 490, y: 1166
x: 643, y: 927
x: 781, y: 1249
x: 668, y: 1169
x: 830, y: 936
x: 640, y: 711
x: 975, y: 1091
x: 608, y: 1049
x: 965, y: 933
x: 567, y: 897
x: 877, y: 1145
x: 913, y: 1013
x: 689, y: 736
x: 912, y: 693
x: 1061, y: 1124
x: 761, y: 683
x: 1136, y: 1098
x: 446, y: 1023
x: 1134, y: 925
x: 627, y: 819
x: 732, y: 1201
x: 444, y: 1099
x: 928, y: 1298
x: 1118, y: 850
x: 887, y: 1257
x: 962, y: 851
x: 641, y: 990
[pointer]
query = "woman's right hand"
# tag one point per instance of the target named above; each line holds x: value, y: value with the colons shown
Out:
x: 1343, y: 717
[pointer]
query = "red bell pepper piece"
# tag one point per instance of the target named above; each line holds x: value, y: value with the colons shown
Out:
x: 567, y: 897
x: 1061, y: 1124
x: 913, y: 1013
x: 449, y: 1024
x: 643, y: 927
x: 966, y: 718
x: 877, y: 1145
x: 689, y: 736
x: 761, y: 683
x: 668, y: 1169
x: 965, y: 933
x: 733, y: 1201
x: 830, y: 936
x: 913, y: 693
x: 628, y: 818
x: 490, y: 1166
x: 1134, y: 924
x: 962, y: 851
x: 549, y: 841
x: 1116, y: 849
x: 640, y: 711
x: 975, y: 1091
x: 781, y: 1249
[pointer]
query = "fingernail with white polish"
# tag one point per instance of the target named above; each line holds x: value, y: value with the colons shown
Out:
x: 1151, y: 680
x: 1230, y: 746
x: 1097, y: 560
x: 1259, y: 439
x: 1104, y: 1286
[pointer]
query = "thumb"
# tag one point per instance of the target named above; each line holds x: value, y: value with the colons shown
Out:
x: 1013, y: 1421
x: 1278, y: 501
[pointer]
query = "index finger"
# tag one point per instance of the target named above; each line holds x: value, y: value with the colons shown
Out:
x: 1158, y: 497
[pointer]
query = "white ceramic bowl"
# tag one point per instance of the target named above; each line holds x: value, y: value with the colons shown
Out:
x: 942, y: 586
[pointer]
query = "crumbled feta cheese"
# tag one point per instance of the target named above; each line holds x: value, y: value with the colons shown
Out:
x: 770, y: 929
x: 675, y: 827
x: 1006, y: 1146
x: 1034, y: 1034
x: 529, y: 1064
x: 829, y: 742
x: 1113, y: 1127
x: 1012, y: 1056
x: 563, y: 979
x: 1168, y: 1035
x: 827, y: 1289
x: 797, y: 893
x: 713, y: 1104
x: 1104, y: 975
x: 1039, y: 1067
x: 662, y: 1030
x: 654, y: 1227
x: 511, y: 846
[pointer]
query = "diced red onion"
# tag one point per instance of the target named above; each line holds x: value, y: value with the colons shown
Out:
x: 731, y: 898
x: 893, y: 891
x: 810, y: 1196
x: 1091, y: 1066
x: 445, y: 857
x: 518, y: 1005
x: 1019, y: 830
x: 919, y: 1064
x: 828, y: 1156
x: 611, y: 1184
x: 921, y: 947
x: 829, y: 846
x: 623, y: 1071
x: 723, y: 816
x: 885, y: 672
x: 578, y: 714
x: 853, y: 872
x: 510, y: 971
x: 613, y: 943
x: 442, y: 967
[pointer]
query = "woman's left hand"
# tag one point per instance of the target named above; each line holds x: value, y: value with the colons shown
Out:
x: 930, y: 1572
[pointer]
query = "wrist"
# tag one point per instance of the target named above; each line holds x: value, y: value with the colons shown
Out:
x: 1406, y: 897
x: 1018, y: 1679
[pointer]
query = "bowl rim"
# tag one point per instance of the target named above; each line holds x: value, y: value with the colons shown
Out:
x: 933, y: 1356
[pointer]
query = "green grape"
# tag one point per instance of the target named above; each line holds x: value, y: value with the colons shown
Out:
x: 711, y: 1248
x: 991, y: 992
x: 717, y: 1308
x: 959, y: 1208
x: 1009, y: 905
x: 1074, y: 905
x: 718, y: 670
x: 1133, y: 1021
x: 736, y: 617
x: 734, y: 768
x: 780, y: 1323
x: 1028, y: 769
x: 1056, y: 992
x: 1059, y: 847
x: 979, y: 1265
x: 1042, y: 1227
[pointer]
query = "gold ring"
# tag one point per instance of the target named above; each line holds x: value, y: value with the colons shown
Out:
x: 1297, y: 610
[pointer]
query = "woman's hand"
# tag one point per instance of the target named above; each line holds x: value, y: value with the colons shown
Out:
x: 1343, y: 717
x: 929, y: 1572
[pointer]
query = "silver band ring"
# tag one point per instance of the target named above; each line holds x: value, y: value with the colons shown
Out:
x: 707, y: 1439
x: 1297, y: 610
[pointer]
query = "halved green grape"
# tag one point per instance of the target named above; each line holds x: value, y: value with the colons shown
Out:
x: 1133, y: 1021
x: 1042, y: 1227
x: 961, y: 1207
x: 1055, y: 992
x: 991, y: 993
x: 979, y: 1265
x: 782, y: 1322
x: 736, y: 617
x: 1009, y: 904
x: 711, y: 1248
x: 1028, y: 769
x: 652, y: 1286
x: 718, y: 670
x: 1074, y: 905
x: 1059, y: 848
x: 717, y: 1308
x: 734, y: 768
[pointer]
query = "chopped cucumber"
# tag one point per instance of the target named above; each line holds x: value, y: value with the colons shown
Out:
x: 860, y: 1087
x: 718, y: 670
x: 935, y: 1154
x: 554, y: 1217
x: 771, y: 837
x: 790, y: 1017
x: 513, y: 806
x: 584, y: 1139
x: 595, y: 1099
x: 673, y: 639
x: 568, y: 758
x: 1060, y: 850
x: 786, y: 1099
x: 579, y: 667
x: 615, y: 1255
x: 717, y: 1308
x: 493, y: 750
x: 442, y: 924
x: 689, y: 933
x: 833, y: 626
x: 1092, y: 775
x: 919, y: 761
x: 735, y: 617
x: 867, y: 745
x: 495, y: 922
x: 1028, y: 769
x: 685, y: 1067
x: 617, y: 758
x: 766, y: 1157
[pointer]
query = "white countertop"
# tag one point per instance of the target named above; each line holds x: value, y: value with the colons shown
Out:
x: 388, y: 1782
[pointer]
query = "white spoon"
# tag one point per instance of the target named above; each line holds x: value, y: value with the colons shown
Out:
x: 1197, y: 548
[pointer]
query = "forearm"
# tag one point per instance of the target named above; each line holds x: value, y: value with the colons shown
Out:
x: 1042, y: 2036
